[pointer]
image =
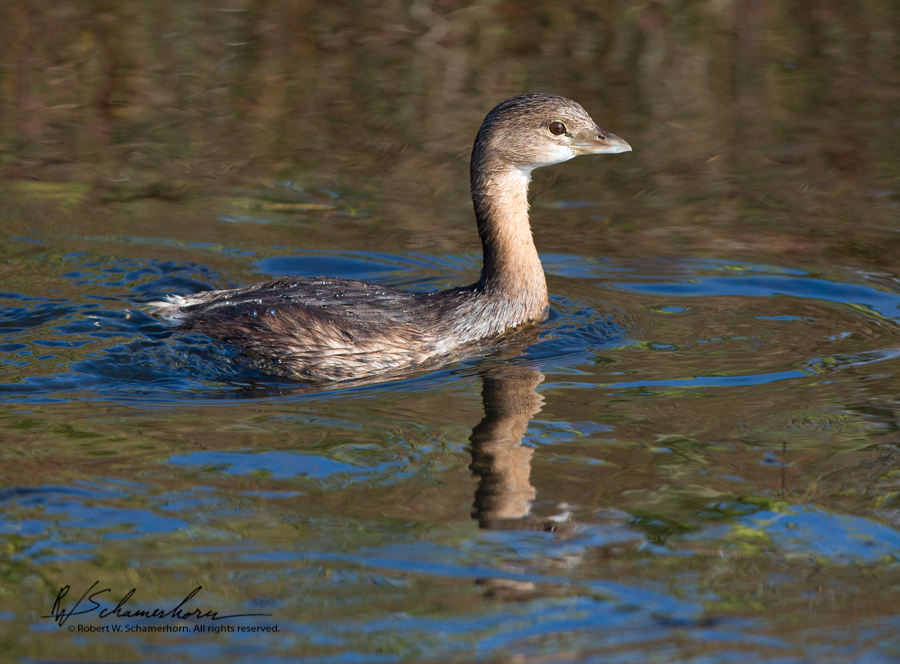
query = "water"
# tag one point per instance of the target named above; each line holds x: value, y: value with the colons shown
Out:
x: 602, y: 522
x: 695, y: 459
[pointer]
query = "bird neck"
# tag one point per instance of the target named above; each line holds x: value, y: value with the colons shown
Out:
x: 512, y: 270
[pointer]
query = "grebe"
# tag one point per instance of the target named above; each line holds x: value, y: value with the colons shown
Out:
x: 326, y: 329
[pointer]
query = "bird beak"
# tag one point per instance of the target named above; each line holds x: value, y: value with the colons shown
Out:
x: 598, y: 141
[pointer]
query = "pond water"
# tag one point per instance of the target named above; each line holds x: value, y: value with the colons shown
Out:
x: 695, y: 459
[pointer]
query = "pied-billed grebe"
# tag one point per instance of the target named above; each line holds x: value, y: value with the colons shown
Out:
x: 326, y: 329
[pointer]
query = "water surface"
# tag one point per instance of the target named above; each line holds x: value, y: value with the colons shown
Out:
x: 695, y: 459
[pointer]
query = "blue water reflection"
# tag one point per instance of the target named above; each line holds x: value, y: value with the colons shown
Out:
x: 280, y: 465
x: 884, y: 303
x: 813, y: 531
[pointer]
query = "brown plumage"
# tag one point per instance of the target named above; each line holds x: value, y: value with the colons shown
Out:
x: 334, y: 329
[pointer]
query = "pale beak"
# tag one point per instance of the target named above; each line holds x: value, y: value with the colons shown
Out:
x: 598, y: 141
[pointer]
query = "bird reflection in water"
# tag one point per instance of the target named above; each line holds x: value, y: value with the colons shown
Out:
x: 503, y: 464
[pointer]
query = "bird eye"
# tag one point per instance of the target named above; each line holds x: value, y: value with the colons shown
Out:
x: 557, y: 128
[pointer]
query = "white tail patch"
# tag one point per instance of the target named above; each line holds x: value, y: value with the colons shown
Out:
x: 170, y: 309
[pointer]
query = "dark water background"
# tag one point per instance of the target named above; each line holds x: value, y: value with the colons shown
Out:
x: 696, y: 461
